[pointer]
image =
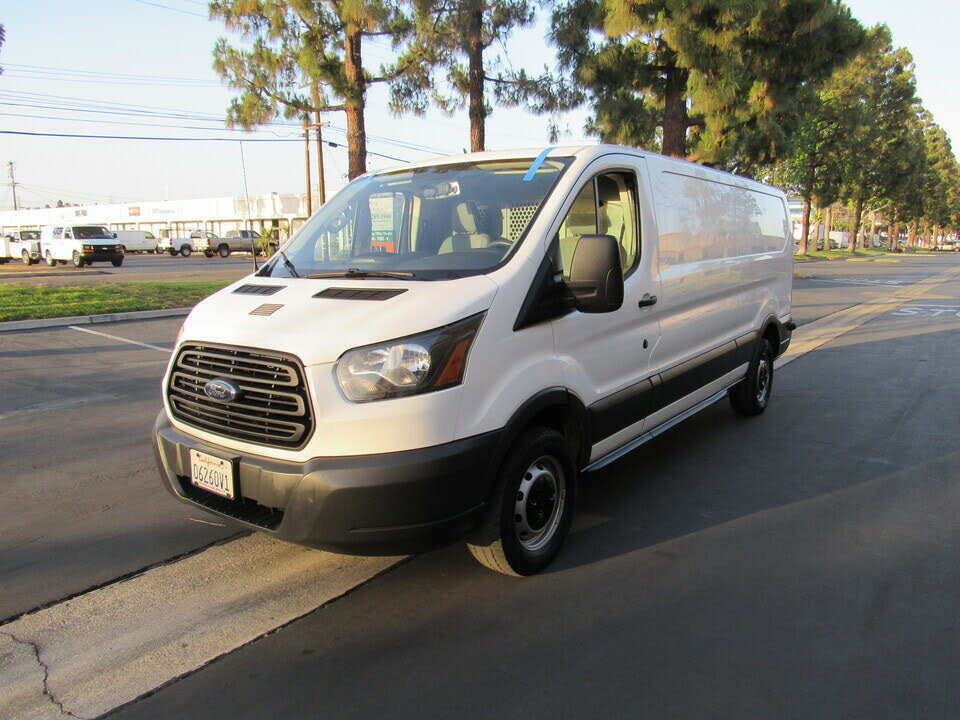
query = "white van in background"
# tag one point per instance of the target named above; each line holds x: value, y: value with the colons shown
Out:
x: 80, y: 244
x: 20, y: 244
x: 137, y: 240
x: 447, y: 349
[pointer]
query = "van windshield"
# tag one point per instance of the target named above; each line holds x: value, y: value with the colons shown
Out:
x: 91, y: 232
x: 29, y: 234
x: 428, y: 223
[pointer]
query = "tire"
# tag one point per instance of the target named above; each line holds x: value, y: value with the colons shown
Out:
x: 77, y: 259
x: 186, y: 250
x: 751, y: 397
x: 531, y: 508
x: 208, y: 254
x: 223, y: 251
x: 3, y: 261
x: 50, y: 261
x: 117, y: 263
x: 25, y: 256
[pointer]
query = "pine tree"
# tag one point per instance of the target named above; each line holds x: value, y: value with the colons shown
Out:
x: 880, y: 86
x: 458, y: 43
x: 302, y: 56
x: 716, y: 81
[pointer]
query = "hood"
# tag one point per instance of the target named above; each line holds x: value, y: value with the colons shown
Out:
x: 321, y: 329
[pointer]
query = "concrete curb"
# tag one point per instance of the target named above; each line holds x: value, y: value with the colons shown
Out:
x: 91, y: 319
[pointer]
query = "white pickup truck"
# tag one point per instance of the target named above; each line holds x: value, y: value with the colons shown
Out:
x: 22, y: 244
x: 197, y: 241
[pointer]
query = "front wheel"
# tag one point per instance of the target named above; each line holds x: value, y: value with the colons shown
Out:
x: 531, y: 508
x: 208, y: 254
x: 117, y: 262
x: 750, y: 397
x: 186, y: 250
x: 50, y: 261
x: 77, y: 259
x: 25, y: 256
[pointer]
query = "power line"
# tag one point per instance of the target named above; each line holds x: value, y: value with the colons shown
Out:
x: 177, y: 139
x: 167, y: 7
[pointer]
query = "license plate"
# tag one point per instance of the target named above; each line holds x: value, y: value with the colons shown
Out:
x: 211, y: 473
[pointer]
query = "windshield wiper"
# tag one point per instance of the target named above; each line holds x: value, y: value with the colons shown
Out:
x: 286, y: 261
x: 357, y: 273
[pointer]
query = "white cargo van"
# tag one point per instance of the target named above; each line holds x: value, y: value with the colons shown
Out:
x: 80, y: 244
x: 444, y: 350
x: 137, y: 240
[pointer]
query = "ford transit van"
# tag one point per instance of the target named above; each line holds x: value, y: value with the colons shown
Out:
x: 447, y: 349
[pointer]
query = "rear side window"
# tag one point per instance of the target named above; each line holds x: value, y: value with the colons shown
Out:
x: 607, y: 205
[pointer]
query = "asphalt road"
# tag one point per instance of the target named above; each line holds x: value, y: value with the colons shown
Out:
x: 137, y: 267
x: 800, y: 564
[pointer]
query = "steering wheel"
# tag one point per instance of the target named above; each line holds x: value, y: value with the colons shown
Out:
x: 500, y: 243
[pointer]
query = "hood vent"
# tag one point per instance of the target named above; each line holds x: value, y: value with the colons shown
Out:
x: 358, y: 294
x: 258, y: 289
x: 266, y: 309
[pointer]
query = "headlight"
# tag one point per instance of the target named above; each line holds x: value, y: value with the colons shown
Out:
x: 88, y: 248
x: 408, y: 366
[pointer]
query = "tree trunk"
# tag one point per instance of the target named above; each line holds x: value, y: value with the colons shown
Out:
x: 827, y: 223
x: 354, y: 102
x: 805, y: 227
x: 675, y: 118
x: 912, y: 234
x: 873, y: 228
x: 478, y: 105
x: 817, y: 227
x: 893, y: 235
x: 855, y: 230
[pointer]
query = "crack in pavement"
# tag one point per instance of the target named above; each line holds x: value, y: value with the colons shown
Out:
x: 13, y: 687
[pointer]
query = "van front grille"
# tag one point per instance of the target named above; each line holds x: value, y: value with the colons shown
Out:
x: 271, y: 408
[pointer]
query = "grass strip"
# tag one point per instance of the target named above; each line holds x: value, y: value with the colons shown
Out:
x: 30, y: 302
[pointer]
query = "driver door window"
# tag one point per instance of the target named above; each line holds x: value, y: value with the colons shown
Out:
x: 607, y: 205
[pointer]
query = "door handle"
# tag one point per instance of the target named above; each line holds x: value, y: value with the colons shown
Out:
x: 647, y: 300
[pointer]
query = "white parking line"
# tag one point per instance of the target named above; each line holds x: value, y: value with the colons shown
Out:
x: 116, y: 337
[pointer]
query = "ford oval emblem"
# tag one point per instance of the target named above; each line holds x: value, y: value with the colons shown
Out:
x: 221, y: 390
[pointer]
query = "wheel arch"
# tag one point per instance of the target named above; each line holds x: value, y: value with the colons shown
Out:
x: 555, y: 408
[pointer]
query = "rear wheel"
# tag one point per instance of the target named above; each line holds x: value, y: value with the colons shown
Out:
x: 531, y: 508
x: 186, y: 250
x: 77, y: 259
x: 208, y: 253
x: 223, y: 251
x: 751, y: 396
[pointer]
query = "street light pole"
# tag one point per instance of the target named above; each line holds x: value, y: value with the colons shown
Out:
x: 13, y: 184
x: 246, y: 195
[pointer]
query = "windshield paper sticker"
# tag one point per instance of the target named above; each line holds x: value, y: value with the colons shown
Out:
x: 536, y: 165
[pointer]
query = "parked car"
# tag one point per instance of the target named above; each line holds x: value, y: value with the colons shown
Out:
x: 80, y: 244
x: 196, y: 241
x: 445, y: 349
x: 22, y: 244
x: 137, y: 240
x: 950, y: 245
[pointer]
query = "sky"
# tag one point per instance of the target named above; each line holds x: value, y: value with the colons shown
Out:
x: 143, y: 67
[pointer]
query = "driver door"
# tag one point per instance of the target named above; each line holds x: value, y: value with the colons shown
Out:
x: 607, y: 355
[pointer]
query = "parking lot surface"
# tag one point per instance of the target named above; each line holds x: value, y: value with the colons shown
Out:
x: 799, y: 564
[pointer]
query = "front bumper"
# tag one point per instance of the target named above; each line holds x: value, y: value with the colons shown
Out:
x: 384, y: 504
x: 100, y: 256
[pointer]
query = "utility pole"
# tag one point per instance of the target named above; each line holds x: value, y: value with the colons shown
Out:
x: 321, y: 187
x: 13, y: 184
x: 306, y: 160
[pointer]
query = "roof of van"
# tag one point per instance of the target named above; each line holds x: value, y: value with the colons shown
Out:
x: 587, y: 152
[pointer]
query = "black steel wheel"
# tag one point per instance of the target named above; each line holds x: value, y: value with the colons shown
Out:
x: 750, y: 397
x: 532, y: 506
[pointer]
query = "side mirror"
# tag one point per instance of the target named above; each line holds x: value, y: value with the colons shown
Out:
x: 596, y: 275
x: 114, y: 234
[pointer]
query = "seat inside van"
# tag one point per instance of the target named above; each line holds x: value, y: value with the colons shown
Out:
x: 466, y: 230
